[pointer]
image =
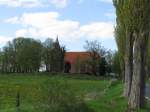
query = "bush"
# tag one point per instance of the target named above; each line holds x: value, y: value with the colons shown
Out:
x: 62, y: 98
x: 102, y: 66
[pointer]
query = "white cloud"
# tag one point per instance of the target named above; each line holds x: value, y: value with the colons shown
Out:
x: 98, y: 30
x: 59, y: 3
x: 21, y: 32
x: 12, y: 20
x: 107, y: 1
x: 34, y: 3
x: 20, y: 3
x: 4, y: 40
x: 48, y: 24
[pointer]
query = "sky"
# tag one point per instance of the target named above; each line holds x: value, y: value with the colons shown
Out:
x: 73, y: 21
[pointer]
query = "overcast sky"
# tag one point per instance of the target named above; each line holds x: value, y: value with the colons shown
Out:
x: 74, y: 21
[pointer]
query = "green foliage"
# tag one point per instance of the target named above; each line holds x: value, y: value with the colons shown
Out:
x: 53, y: 56
x: 62, y: 98
x: 43, y: 92
x: 133, y: 24
x: 102, y: 66
x: 121, y: 31
x: 109, y: 59
x: 116, y: 64
x: 26, y: 55
x: 95, y: 48
x: 47, y: 49
x: 96, y: 51
x: 21, y: 55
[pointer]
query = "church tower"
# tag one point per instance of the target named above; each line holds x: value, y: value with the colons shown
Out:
x: 56, y: 43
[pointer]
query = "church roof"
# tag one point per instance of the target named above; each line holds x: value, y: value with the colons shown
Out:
x: 73, y: 56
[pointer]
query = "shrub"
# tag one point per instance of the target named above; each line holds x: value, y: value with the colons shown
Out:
x: 62, y: 98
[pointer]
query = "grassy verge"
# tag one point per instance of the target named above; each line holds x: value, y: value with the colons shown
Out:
x: 61, y: 93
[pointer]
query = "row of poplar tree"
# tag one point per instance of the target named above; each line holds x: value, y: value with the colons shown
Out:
x: 132, y: 33
x: 24, y: 55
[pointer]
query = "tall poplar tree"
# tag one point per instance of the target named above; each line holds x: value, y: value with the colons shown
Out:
x: 124, y: 39
x: 133, y: 20
x: 141, y: 24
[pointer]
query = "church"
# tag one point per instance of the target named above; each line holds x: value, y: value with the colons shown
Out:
x: 76, y: 62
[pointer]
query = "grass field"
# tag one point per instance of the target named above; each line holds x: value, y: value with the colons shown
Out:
x: 60, y: 93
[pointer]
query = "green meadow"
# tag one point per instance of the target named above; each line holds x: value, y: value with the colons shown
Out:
x: 61, y: 93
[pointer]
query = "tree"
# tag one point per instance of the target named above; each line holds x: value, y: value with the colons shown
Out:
x: 120, y: 40
x: 109, y: 61
x: 116, y: 68
x: 47, y: 53
x: 96, y: 51
x: 58, y: 53
x: 124, y: 39
x: 8, y: 58
x: 102, y: 66
x: 141, y: 16
x: 28, y: 54
x: 21, y: 55
x: 1, y: 60
x: 25, y: 55
x: 134, y: 18
x: 53, y: 55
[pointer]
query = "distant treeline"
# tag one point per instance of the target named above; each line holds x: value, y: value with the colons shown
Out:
x: 24, y: 55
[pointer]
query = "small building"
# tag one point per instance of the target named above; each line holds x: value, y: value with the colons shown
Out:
x: 76, y: 62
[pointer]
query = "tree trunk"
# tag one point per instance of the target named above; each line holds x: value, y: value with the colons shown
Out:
x: 128, y: 65
x: 136, y: 99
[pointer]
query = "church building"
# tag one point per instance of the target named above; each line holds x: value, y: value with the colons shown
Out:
x: 76, y: 62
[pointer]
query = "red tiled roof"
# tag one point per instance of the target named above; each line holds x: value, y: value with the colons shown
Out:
x: 73, y: 56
